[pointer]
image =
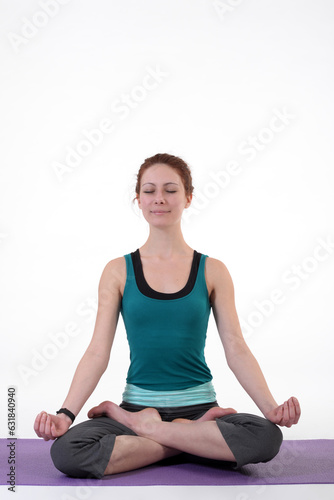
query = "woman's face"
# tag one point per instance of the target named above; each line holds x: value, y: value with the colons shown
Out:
x: 162, y: 196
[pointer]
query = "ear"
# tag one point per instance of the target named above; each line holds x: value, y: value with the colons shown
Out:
x: 138, y: 200
x: 188, y: 198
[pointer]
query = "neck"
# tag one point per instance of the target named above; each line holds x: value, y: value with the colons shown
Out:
x: 165, y: 243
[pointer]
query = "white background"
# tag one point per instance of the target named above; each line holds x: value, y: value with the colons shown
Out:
x: 222, y: 75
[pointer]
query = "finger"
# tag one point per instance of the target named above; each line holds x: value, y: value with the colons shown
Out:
x: 47, y: 429
x: 53, y: 433
x: 38, y: 420
x: 292, y: 411
x: 93, y: 413
x: 285, y: 419
x: 53, y: 430
x: 297, y: 409
x: 42, y: 424
x: 287, y: 414
x: 230, y: 410
x: 36, y: 424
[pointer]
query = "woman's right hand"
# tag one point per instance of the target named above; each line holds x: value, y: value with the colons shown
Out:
x: 49, y: 426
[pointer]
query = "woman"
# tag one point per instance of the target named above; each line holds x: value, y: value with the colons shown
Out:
x: 164, y: 291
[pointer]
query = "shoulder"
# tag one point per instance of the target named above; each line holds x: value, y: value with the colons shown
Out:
x: 216, y: 268
x: 217, y: 277
x: 114, y: 275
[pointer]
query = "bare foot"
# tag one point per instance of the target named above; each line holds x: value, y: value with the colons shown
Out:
x: 140, y: 422
x: 211, y: 414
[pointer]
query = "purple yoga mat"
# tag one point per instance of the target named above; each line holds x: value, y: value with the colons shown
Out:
x: 298, y: 462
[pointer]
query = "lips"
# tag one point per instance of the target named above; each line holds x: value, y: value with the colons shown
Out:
x: 157, y: 212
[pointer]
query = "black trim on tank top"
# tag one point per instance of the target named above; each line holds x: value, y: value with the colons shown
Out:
x: 145, y: 288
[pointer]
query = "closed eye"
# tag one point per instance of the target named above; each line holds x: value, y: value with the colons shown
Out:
x: 151, y: 192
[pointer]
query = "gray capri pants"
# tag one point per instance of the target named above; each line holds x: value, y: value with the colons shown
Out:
x: 85, y: 449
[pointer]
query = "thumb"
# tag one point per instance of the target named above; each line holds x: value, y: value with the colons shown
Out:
x: 54, y: 432
x: 277, y: 415
x: 91, y: 413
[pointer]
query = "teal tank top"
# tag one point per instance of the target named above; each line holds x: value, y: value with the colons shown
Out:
x: 166, y: 337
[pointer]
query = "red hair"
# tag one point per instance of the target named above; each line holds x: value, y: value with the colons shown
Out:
x: 172, y: 161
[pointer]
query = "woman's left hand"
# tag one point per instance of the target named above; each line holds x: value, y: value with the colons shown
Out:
x: 286, y: 414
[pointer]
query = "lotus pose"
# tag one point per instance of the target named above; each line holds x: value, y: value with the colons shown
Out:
x: 165, y: 291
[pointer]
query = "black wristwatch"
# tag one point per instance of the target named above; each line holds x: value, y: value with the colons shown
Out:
x: 67, y: 412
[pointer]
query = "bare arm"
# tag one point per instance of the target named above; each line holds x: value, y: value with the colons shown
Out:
x: 96, y: 357
x: 238, y: 355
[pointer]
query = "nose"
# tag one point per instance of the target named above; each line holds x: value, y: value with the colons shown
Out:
x: 159, y: 199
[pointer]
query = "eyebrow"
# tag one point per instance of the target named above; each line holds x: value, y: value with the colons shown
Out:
x: 166, y: 183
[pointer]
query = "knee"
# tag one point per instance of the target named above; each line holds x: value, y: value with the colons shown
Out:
x: 66, y: 458
x: 270, y: 441
x: 62, y: 455
x: 252, y: 439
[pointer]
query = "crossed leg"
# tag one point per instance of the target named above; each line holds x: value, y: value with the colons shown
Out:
x: 157, y: 440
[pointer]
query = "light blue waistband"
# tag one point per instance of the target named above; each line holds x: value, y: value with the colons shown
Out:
x: 199, y: 394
